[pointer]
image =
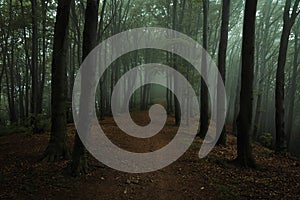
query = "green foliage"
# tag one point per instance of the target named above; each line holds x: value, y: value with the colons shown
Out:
x: 7, y: 130
x: 265, y: 139
x: 42, y: 123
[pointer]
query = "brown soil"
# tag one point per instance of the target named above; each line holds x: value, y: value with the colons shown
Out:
x: 22, y: 176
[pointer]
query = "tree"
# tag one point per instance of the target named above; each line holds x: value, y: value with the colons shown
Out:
x: 34, y: 64
x: 288, y: 22
x: 43, y: 64
x: 244, y: 149
x: 27, y: 61
x: 79, y: 157
x: 222, y: 55
x: 264, y: 43
x: 291, y: 100
x: 204, y: 91
x: 175, y: 65
x: 57, y: 147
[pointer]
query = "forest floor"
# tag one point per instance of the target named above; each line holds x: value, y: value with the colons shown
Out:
x: 22, y: 176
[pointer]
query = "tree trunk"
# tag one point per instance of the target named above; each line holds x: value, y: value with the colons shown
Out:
x: 244, y: 149
x: 34, y: 66
x: 13, y: 114
x: 57, y: 147
x: 1, y: 76
x: 204, y: 91
x: 79, y: 158
x: 44, y: 48
x: 222, y: 59
x: 237, y: 100
x: 261, y: 77
x: 280, y: 145
x: 10, y: 62
x: 174, y: 60
x: 27, y: 63
x: 103, y: 78
x: 293, y: 90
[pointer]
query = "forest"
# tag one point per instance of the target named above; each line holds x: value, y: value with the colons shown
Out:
x: 46, y: 139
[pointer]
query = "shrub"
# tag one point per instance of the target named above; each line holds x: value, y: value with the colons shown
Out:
x: 265, y: 139
x: 6, y: 130
x: 39, y: 123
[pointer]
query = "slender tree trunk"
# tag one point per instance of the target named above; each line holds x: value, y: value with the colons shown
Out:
x: 34, y: 66
x: 174, y: 60
x: 1, y: 76
x: 222, y: 59
x: 288, y: 22
x: 293, y: 90
x: 168, y: 86
x: 204, y: 91
x: 244, y: 148
x: 102, y: 80
x: 27, y: 63
x: 10, y: 62
x: 237, y: 100
x: 20, y: 93
x: 9, y: 100
x: 261, y: 77
x: 100, y: 27
x: 57, y: 147
x: 4, y: 70
x: 44, y: 48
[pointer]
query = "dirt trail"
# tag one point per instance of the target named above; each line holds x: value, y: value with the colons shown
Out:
x: 23, y: 177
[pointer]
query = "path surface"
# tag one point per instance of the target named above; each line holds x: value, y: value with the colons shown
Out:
x: 23, y: 177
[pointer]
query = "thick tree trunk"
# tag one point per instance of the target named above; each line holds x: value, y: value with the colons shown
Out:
x: 244, y: 148
x: 57, y: 147
x: 79, y: 158
x: 280, y: 145
x: 222, y: 59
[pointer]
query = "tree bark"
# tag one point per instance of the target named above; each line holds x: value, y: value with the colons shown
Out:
x: 244, y: 149
x: 27, y: 63
x: 263, y: 65
x: 204, y: 91
x: 288, y: 21
x: 174, y: 60
x: 57, y: 147
x: 222, y: 60
x: 79, y: 157
x: 293, y: 89
x: 44, y: 48
x: 34, y: 66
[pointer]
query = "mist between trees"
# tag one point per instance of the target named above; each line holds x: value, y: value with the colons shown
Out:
x: 44, y: 43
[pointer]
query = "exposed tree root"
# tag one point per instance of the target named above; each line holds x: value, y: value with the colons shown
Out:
x: 79, y: 167
x: 53, y: 154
